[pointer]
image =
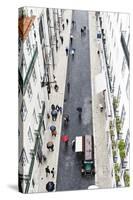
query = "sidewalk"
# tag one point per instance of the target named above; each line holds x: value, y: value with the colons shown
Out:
x: 56, y: 98
x: 103, y: 177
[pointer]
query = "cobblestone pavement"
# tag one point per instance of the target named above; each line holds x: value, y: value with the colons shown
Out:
x: 78, y: 74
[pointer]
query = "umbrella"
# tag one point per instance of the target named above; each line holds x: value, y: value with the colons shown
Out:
x: 65, y: 138
x: 50, y: 186
x: 52, y: 128
x: 49, y: 144
x: 54, y: 112
x: 79, y: 109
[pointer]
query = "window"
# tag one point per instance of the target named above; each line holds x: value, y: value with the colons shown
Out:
x: 23, y: 111
x: 39, y: 103
x: 123, y: 115
x: 119, y: 93
x: 34, y: 117
x: 28, y: 46
x: 30, y: 137
x: 127, y: 88
x: 23, y: 160
x: 34, y: 75
x: 29, y: 91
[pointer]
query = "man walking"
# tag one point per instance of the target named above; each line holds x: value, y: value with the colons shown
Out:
x: 63, y: 26
x: 67, y: 21
x: 67, y: 51
x: 52, y: 172
x: 68, y: 87
x: 62, y: 40
x: 47, y: 171
x: 71, y: 39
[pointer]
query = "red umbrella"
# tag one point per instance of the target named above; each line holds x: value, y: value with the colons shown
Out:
x: 65, y: 138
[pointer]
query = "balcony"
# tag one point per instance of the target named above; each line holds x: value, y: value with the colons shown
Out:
x: 24, y: 84
x: 34, y: 151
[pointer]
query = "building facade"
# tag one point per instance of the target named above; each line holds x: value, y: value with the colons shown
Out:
x: 39, y: 41
x: 115, y: 36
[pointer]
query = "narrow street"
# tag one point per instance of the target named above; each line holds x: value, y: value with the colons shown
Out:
x: 78, y: 75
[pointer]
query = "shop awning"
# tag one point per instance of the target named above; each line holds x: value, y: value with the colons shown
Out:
x: 100, y: 83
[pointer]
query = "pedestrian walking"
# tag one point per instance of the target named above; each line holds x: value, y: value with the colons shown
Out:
x: 68, y: 87
x: 66, y: 119
x: 61, y: 38
x: 73, y: 23
x: 67, y: 21
x: 54, y: 133
x: 79, y: 109
x: 82, y: 31
x: 48, y: 115
x: 73, y: 53
x: 57, y: 108
x: 67, y: 50
x: 98, y: 52
x: 52, y: 107
x: 47, y: 170
x: 52, y: 172
x: 56, y: 87
x: 50, y: 146
x: 63, y: 26
x: 54, y: 114
x: 71, y: 39
x: 60, y: 109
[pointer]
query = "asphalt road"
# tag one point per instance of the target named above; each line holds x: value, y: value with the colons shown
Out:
x: 78, y: 74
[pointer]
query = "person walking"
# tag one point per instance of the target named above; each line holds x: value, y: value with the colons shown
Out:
x: 63, y: 27
x: 50, y: 146
x: 54, y: 114
x: 54, y: 133
x: 57, y: 108
x: 67, y: 21
x: 79, y: 109
x: 68, y: 87
x: 52, y: 172
x: 73, y: 53
x: 62, y: 40
x: 56, y: 87
x: 71, y: 39
x: 52, y: 107
x: 73, y: 23
x: 67, y: 50
x: 47, y: 170
x: 60, y: 109
x: 82, y: 31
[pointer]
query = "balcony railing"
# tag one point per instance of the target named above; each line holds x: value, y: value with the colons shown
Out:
x: 38, y: 138
x: 23, y: 84
x: 125, y: 49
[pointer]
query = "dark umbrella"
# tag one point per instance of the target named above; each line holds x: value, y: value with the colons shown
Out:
x: 52, y: 128
x: 49, y: 144
x: 50, y: 186
x: 79, y: 109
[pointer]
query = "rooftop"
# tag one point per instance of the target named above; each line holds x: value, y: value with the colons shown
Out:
x: 24, y: 26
